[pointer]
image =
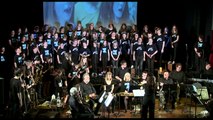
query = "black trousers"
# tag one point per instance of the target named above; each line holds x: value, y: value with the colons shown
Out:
x: 148, y: 106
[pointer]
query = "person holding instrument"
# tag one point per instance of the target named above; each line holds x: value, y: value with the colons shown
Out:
x: 108, y: 87
x: 126, y: 85
x: 89, y: 93
x: 178, y: 77
x: 167, y: 84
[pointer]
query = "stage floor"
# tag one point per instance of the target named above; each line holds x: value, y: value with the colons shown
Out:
x: 181, y: 111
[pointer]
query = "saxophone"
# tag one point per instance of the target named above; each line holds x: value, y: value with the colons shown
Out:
x: 38, y: 74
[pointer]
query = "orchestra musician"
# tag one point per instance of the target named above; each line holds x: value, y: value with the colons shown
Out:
x: 149, y: 86
x: 78, y: 107
x: 89, y: 93
x: 30, y: 84
x: 108, y: 87
x: 120, y: 74
x: 169, y: 94
x: 127, y: 83
x: 178, y: 76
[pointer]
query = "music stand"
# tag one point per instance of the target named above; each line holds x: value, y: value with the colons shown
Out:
x: 138, y: 93
x: 196, y: 99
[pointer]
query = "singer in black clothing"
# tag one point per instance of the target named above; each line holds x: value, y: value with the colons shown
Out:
x: 15, y: 95
x: 149, y: 98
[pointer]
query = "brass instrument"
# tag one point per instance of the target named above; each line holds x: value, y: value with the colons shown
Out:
x: 38, y: 74
x: 125, y: 94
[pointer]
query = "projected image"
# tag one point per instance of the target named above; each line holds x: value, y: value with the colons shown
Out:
x: 100, y: 13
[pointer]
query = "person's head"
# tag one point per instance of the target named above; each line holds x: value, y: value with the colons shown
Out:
x: 35, y: 49
x: 63, y: 11
x: 75, y: 42
x: 145, y: 28
x: 118, y: 9
x: 200, y: 38
x: 18, y: 50
x: 115, y: 44
x: 28, y: 73
x: 144, y: 75
x: 166, y: 30
x: 166, y: 75
x: 105, y: 43
x: 2, y: 49
x: 45, y: 44
x: 123, y: 64
x: 124, y: 35
x: 84, y: 44
x: 149, y: 35
x: 13, y: 33
x: 123, y: 26
x: 208, y: 66
x: 18, y: 72
x: 140, y: 40
x: 108, y: 76
x: 61, y: 45
x: 95, y: 44
x: 86, y: 78
x: 174, y: 29
x: 158, y: 31
x: 127, y: 76
x: 136, y: 36
x: 178, y: 67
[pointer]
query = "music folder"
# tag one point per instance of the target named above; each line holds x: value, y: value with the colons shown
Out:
x: 138, y: 92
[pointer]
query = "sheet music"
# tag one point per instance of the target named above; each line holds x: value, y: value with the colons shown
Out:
x: 108, y: 100
x: 138, y: 92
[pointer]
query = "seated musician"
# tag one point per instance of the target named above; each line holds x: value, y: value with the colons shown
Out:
x: 208, y: 71
x: 127, y: 83
x: 120, y: 75
x: 169, y: 92
x: 178, y: 76
x: 208, y: 74
x: 89, y: 93
x: 77, y: 105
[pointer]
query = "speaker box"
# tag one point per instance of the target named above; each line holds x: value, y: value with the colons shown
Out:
x: 203, y: 92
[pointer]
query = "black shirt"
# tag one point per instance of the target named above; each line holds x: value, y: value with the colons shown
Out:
x: 15, y: 88
x: 86, y: 89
